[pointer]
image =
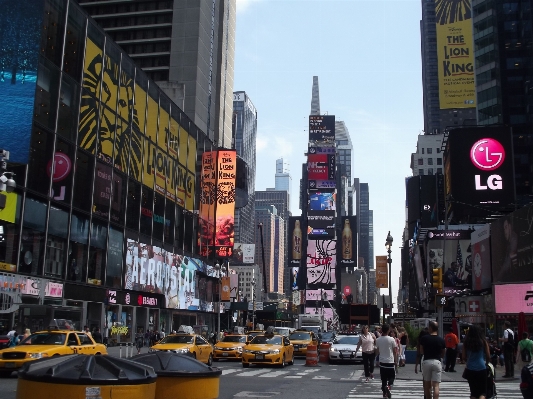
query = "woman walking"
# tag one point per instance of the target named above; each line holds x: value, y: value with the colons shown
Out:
x: 404, y: 341
x: 477, y: 354
x: 367, y: 342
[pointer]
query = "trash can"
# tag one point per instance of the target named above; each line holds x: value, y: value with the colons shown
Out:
x: 86, y: 377
x: 181, y: 375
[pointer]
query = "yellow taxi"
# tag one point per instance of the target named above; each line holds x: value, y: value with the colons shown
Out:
x: 252, y: 334
x: 271, y: 349
x: 193, y: 345
x: 300, y: 339
x: 44, y: 344
x: 230, y: 347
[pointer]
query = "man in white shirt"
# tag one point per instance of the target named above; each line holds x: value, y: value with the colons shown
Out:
x: 388, y: 359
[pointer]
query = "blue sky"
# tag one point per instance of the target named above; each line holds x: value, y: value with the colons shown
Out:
x: 366, y: 55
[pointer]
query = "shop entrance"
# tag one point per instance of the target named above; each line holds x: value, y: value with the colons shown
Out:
x: 42, y: 317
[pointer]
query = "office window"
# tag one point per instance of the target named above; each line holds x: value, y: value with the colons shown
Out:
x: 430, y: 150
x: 420, y: 172
x: 439, y: 161
x: 421, y: 161
x: 430, y: 171
x: 439, y: 171
x: 430, y: 161
x: 422, y: 150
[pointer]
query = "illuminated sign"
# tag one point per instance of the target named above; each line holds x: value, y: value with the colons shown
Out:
x: 322, y: 128
x: 322, y: 201
x: 320, y: 167
x: 225, y: 204
x: 513, y: 298
x: 321, y: 224
x: 321, y: 184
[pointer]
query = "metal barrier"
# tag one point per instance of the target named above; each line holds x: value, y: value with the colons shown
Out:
x: 324, y: 352
x: 128, y: 345
x: 311, y: 358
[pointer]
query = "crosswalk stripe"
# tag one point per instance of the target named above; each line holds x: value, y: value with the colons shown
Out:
x: 273, y: 374
x: 253, y: 372
x: 228, y: 371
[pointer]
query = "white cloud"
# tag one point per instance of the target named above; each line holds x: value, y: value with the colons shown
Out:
x: 243, y: 5
x: 261, y: 143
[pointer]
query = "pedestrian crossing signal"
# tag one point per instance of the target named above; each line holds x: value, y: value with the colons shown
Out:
x: 440, y: 301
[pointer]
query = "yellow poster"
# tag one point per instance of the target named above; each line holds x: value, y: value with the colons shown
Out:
x: 10, y: 210
x: 225, y: 295
x: 455, y: 53
x: 208, y: 181
x: 151, y: 120
x: 225, y: 205
x: 149, y: 159
x: 382, y: 272
x: 164, y: 132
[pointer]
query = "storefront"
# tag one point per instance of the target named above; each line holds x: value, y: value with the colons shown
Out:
x: 509, y: 301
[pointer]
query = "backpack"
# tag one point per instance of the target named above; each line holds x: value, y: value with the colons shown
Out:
x: 510, y: 339
x: 525, y: 353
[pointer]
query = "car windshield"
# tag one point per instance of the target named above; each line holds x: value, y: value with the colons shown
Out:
x: 45, y: 339
x: 327, y: 336
x: 282, y: 330
x: 253, y: 334
x: 300, y: 336
x: 177, y: 339
x: 234, y: 338
x: 347, y: 340
x: 261, y: 340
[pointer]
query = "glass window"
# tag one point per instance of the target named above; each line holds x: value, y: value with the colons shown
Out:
x: 78, y: 248
x: 68, y: 109
x: 74, y: 42
x: 158, y: 216
x: 430, y: 161
x: 41, y: 150
x: 53, y: 25
x: 9, y: 240
x: 32, y: 244
x: 439, y: 170
x: 188, y: 237
x: 118, y: 199
x: 96, y: 263
x: 180, y: 226
x: 147, y: 203
x: 114, y: 259
x: 83, y: 181
x: 56, y: 244
x: 430, y: 150
x: 133, y: 205
x: 420, y: 172
x: 421, y: 161
x: 430, y: 171
x: 170, y: 217
x: 46, y: 94
x: 102, y: 190
x: 439, y: 161
x: 63, y: 172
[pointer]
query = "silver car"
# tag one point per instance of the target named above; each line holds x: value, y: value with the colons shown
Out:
x: 343, y: 349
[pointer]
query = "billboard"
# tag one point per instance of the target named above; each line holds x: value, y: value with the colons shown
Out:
x: 347, y: 254
x: 321, y: 150
x: 322, y: 129
x: 382, y: 272
x: 513, y: 298
x: 450, y: 250
x: 512, y: 247
x: 479, y: 170
x: 319, y: 201
x: 295, y: 241
x: 481, y: 273
x: 208, y: 193
x: 294, y: 278
x: 225, y: 206
x: 321, y: 184
x: 321, y: 166
x: 20, y: 38
x: 243, y: 253
x: 320, y: 224
x: 321, y: 262
x: 455, y: 53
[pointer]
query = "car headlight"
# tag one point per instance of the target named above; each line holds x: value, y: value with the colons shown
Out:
x: 239, y: 349
x: 333, y: 349
x: 274, y: 351
x: 218, y: 348
x: 37, y: 355
x: 247, y: 351
x: 184, y: 350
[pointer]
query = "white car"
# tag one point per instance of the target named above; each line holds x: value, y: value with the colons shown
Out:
x: 343, y: 349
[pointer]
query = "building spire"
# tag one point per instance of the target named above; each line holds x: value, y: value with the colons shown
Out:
x: 315, y: 98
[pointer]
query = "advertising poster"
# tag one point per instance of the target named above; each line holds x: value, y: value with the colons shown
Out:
x: 225, y: 295
x: 321, y: 167
x: 321, y: 184
x: 347, y: 249
x: 382, y: 272
x: 322, y: 129
x: 322, y: 201
x: 513, y: 298
x: 20, y: 39
x: 512, y: 246
x: 455, y: 53
x: 481, y: 271
x: 225, y: 207
x: 294, y: 278
x: 208, y: 193
x: 295, y: 237
x: 321, y: 262
x: 320, y: 224
x: 451, y: 251
x: 243, y: 253
x: 319, y: 295
x: 152, y: 269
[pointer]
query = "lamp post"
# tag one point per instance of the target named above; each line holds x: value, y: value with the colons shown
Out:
x: 219, y: 267
x: 388, y: 245
x: 253, y: 303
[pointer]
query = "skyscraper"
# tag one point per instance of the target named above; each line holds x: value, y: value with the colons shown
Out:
x: 266, y: 215
x: 283, y: 177
x: 187, y: 47
x: 245, y: 133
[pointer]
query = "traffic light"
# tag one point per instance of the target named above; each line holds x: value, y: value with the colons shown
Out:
x: 440, y: 301
x: 437, y: 279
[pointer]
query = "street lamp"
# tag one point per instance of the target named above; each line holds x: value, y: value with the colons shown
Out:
x: 219, y: 268
x: 388, y: 245
x: 253, y: 303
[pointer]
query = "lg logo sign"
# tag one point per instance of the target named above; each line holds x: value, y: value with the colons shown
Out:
x: 488, y: 155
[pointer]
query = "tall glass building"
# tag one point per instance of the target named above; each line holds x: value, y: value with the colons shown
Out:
x: 102, y: 226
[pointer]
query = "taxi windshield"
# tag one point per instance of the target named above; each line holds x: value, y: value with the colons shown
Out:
x: 347, y: 340
x: 300, y: 336
x: 262, y: 340
x: 177, y: 339
x: 45, y: 339
x: 234, y: 338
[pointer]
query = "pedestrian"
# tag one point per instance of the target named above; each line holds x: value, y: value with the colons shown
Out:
x: 419, y: 356
x: 388, y: 359
x: 404, y: 341
x: 508, y: 349
x: 97, y: 336
x: 162, y: 334
x: 27, y: 333
x: 139, y: 341
x: 87, y: 331
x: 524, y: 351
x: 433, y: 348
x: 377, y: 334
x: 367, y: 343
x: 147, y: 338
x: 451, y: 340
x: 477, y: 354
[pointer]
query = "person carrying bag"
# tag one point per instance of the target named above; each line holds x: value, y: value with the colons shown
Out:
x: 524, y: 352
x: 477, y: 354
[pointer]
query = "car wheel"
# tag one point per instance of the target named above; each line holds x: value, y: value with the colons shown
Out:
x: 245, y: 365
x: 210, y: 360
x: 282, y: 365
x: 193, y: 355
x: 292, y: 361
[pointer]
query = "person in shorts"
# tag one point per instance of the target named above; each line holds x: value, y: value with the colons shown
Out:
x: 433, y: 348
x: 388, y: 360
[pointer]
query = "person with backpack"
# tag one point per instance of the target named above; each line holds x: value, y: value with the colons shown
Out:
x: 508, y: 349
x: 524, y: 352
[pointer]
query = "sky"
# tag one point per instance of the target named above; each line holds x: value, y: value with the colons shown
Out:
x: 366, y: 55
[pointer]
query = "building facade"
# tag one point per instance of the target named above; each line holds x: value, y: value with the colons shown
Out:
x: 266, y: 215
x: 283, y: 179
x: 428, y: 158
x: 188, y: 48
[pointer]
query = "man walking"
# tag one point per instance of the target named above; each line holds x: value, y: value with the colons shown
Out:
x: 388, y: 360
x: 508, y: 349
x: 451, y: 342
x: 433, y: 349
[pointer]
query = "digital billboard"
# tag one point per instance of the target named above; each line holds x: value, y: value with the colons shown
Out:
x: 321, y: 184
x: 243, y: 253
x: 208, y: 197
x: 320, y: 224
x: 513, y: 298
x: 321, y: 167
x: 294, y: 278
x: 295, y: 241
x: 322, y: 129
x: 331, y: 150
x: 512, y: 247
x: 321, y: 262
x: 479, y: 170
x: 319, y: 201
x: 225, y: 206
x: 20, y: 38
x: 481, y: 271
x: 455, y: 54
x: 450, y: 251
x: 347, y: 249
